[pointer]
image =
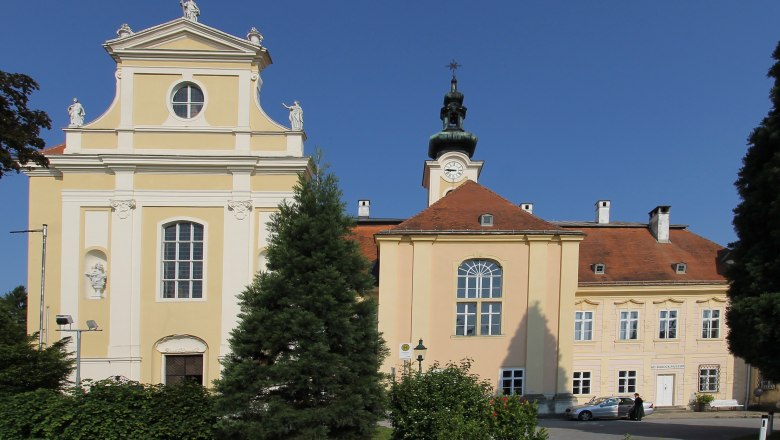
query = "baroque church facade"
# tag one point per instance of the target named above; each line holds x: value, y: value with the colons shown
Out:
x: 157, y: 214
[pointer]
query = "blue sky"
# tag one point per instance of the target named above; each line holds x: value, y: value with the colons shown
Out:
x: 644, y: 103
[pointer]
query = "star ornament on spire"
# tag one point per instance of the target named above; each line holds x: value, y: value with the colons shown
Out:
x: 453, y: 66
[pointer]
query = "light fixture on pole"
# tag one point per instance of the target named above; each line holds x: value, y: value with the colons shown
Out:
x: 91, y: 327
x: 420, y: 352
x: 43, y: 230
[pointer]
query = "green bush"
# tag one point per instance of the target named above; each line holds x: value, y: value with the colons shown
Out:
x: 451, y: 403
x: 704, y: 399
x: 110, y: 410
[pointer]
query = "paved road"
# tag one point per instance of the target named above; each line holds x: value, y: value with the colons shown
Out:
x: 652, y: 428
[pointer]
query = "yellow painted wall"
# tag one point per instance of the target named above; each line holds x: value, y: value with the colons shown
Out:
x: 150, y: 97
x: 109, y: 119
x: 98, y: 139
x: 45, y: 207
x: 190, y: 42
x: 184, y: 141
x: 273, y: 182
x: 166, y: 318
x: 150, y: 181
x: 263, y: 142
x: 85, y: 181
x: 221, y: 108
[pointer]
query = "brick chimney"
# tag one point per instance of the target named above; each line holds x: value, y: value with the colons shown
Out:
x: 659, y: 223
x: 364, y: 207
x: 602, y: 212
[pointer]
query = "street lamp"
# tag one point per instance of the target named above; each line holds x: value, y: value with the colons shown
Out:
x: 91, y: 327
x: 43, y: 230
x: 420, y: 351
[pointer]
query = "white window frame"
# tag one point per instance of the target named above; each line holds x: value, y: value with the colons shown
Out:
x: 479, y: 295
x: 160, y: 249
x: 583, y: 325
x: 709, y: 378
x: 628, y: 322
x: 189, y: 103
x: 668, y: 323
x: 507, y: 380
x: 708, y: 331
x: 581, y: 382
x: 627, y: 381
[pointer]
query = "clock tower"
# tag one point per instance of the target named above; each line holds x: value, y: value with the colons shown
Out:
x: 450, y: 149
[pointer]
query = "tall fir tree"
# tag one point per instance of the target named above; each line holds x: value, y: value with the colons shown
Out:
x: 306, y: 353
x: 753, y: 315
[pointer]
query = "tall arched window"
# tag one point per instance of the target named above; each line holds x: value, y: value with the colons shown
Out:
x: 478, y: 298
x: 182, y: 261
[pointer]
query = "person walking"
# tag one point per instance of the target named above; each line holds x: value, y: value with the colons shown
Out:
x: 638, y: 410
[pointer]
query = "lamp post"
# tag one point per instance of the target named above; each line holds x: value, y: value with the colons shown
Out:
x: 91, y: 327
x: 43, y: 230
x: 420, y: 351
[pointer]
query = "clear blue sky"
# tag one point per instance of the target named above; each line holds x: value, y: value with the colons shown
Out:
x: 644, y: 103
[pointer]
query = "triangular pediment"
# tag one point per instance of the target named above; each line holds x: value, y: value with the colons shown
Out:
x: 180, y: 38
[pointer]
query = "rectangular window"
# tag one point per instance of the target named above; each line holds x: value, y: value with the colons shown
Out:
x: 583, y: 326
x: 183, y: 368
x: 667, y: 324
x: 766, y: 384
x: 581, y: 382
x: 511, y: 381
x: 629, y: 324
x: 490, y: 321
x: 182, y: 261
x: 709, y: 378
x: 626, y: 381
x: 710, y: 324
x: 466, y: 320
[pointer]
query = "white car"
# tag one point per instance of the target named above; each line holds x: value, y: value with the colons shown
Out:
x: 605, y: 408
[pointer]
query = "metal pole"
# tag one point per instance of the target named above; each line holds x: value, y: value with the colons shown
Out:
x: 78, y: 358
x: 764, y: 423
x: 43, y: 285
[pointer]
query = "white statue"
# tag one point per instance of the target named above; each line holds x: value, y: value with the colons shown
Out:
x: 191, y: 10
x: 97, y: 277
x: 76, y: 112
x: 296, y: 115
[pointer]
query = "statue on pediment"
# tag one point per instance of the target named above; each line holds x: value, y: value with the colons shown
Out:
x: 77, y: 113
x: 190, y: 9
x: 296, y: 115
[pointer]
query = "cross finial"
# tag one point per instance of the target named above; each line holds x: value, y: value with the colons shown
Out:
x: 453, y: 65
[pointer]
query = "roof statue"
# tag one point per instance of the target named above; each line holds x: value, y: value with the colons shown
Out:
x: 296, y: 115
x: 452, y: 137
x: 77, y: 113
x: 124, y: 31
x: 190, y: 9
x: 254, y: 36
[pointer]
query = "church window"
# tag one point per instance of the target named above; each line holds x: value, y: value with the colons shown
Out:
x: 187, y: 100
x: 182, y: 261
x: 479, y: 289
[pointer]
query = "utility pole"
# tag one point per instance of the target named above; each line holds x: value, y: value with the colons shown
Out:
x: 43, y: 231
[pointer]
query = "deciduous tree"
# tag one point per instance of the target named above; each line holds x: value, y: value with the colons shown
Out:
x: 20, y: 127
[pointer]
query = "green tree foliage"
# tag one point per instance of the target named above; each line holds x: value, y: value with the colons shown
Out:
x: 306, y: 353
x: 754, y: 312
x: 450, y: 403
x: 23, y: 367
x: 20, y: 127
x: 110, y: 410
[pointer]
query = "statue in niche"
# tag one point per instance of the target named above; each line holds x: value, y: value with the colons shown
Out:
x: 97, y: 278
x: 296, y: 115
x: 191, y: 10
x: 77, y: 113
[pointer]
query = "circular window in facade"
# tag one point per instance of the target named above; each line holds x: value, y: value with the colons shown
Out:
x: 187, y: 100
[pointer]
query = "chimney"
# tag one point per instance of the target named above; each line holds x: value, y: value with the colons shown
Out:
x: 363, y: 208
x: 602, y: 212
x: 527, y: 207
x: 659, y: 223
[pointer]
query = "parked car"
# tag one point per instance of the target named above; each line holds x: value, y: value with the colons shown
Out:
x: 605, y: 408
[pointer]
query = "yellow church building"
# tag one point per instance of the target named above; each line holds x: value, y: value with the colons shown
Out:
x: 157, y: 214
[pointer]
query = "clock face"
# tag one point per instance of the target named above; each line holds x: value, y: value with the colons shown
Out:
x: 453, y: 169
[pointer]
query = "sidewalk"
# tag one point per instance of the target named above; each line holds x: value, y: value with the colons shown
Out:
x: 722, y: 414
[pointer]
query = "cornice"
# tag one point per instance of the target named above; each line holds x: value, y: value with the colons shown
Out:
x: 175, y: 163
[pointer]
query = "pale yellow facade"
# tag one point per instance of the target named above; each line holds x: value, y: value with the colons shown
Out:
x: 157, y: 210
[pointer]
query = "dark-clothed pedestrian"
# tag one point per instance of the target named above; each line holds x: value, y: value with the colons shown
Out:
x: 638, y: 410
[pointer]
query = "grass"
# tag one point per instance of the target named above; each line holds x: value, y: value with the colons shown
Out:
x: 383, y: 433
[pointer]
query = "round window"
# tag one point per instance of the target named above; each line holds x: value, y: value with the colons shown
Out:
x: 187, y: 100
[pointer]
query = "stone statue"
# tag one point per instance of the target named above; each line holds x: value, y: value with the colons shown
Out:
x: 191, y: 10
x: 76, y: 112
x: 296, y: 115
x: 97, y: 277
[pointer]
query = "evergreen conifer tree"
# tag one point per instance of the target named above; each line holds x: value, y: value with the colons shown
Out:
x: 306, y: 353
x: 754, y: 312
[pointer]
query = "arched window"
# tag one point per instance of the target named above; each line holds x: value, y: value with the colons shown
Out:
x: 182, y: 261
x: 478, y: 298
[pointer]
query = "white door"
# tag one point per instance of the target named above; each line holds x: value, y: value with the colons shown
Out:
x: 664, y: 392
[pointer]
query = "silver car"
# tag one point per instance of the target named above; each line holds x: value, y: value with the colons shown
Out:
x: 605, y: 408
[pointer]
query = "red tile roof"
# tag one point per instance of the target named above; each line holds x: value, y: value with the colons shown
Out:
x: 459, y: 211
x: 55, y: 150
x: 363, y: 234
x: 632, y: 255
